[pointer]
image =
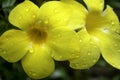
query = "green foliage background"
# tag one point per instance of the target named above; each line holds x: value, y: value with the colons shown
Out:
x: 14, y: 71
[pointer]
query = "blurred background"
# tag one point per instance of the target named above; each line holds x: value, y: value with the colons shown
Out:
x: 13, y: 71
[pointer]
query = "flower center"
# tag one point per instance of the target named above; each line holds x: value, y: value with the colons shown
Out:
x: 37, y: 34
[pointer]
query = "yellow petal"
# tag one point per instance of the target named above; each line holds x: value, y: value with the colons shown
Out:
x: 24, y: 15
x: 110, y: 47
x: 110, y: 19
x: 63, y: 13
x: 13, y: 45
x: 94, y: 5
x: 38, y: 63
x: 101, y: 21
x: 89, y: 53
x: 64, y: 43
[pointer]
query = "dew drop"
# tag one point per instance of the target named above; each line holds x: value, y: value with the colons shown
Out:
x: 84, y: 65
x: 117, y: 31
x: 56, y: 11
x: 20, y: 17
x: 39, y: 21
x: 118, y: 50
x: 75, y: 64
x: 89, y: 53
x: 60, y: 57
x: 4, y: 52
x: 112, y: 23
x: 80, y: 40
x: 52, y: 54
x: 31, y: 50
x: 27, y: 10
x: 7, y: 39
x: 72, y: 56
x: 34, y: 16
x: 94, y: 60
x: 77, y: 56
x: 34, y: 74
x: 59, y: 35
x: 91, y: 42
x: 105, y: 30
x: 46, y: 22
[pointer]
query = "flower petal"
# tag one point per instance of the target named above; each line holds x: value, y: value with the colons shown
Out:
x: 64, y: 43
x: 24, y: 15
x: 110, y: 19
x: 38, y: 63
x: 95, y: 5
x: 13, y: 45
x: 110, y: 47
x: 62, y: 13
x: 101, y: 21
x: 89, y: 53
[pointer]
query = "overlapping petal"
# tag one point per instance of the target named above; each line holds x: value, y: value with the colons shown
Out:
x: 104, y: 20
x: 89, y: 53
x: 110, y: 47
x: 38, y: 63
x: 95, y: 5
x: 13, y: 45
x: 64, y: 42
x: 24, y: 15
x: 62, y: 13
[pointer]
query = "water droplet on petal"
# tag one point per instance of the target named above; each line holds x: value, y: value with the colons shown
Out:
x: 72, y: 56
x: 118, y: 50
x: 94, y: 60
x: 39, y: 21
x: 34, y: 16
x: 4, y: 52
x: 84, y: 65
x: 56, y: 11
x: 89, y: 53
x: 52, y: 55
x: 46, y: 22
x: 91, y: 42
x: 34, y: 74
x: 27, y: 10
x: 75, y: 64
x: 80, y: 40
x: 7, y: 39
x: 60, y: 57
x: 106, y: 30
x: 59, y: 35
x: 30, y: 48
x: 112, y: 23
x: 20, y: 17
x: 77, y: 56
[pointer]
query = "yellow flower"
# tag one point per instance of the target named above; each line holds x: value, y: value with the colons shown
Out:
x: 100, y: 34
x: 44, y: 33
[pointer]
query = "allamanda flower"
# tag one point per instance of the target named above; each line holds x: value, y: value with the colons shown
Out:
x: 99, y: 34
x: 43, y: 34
